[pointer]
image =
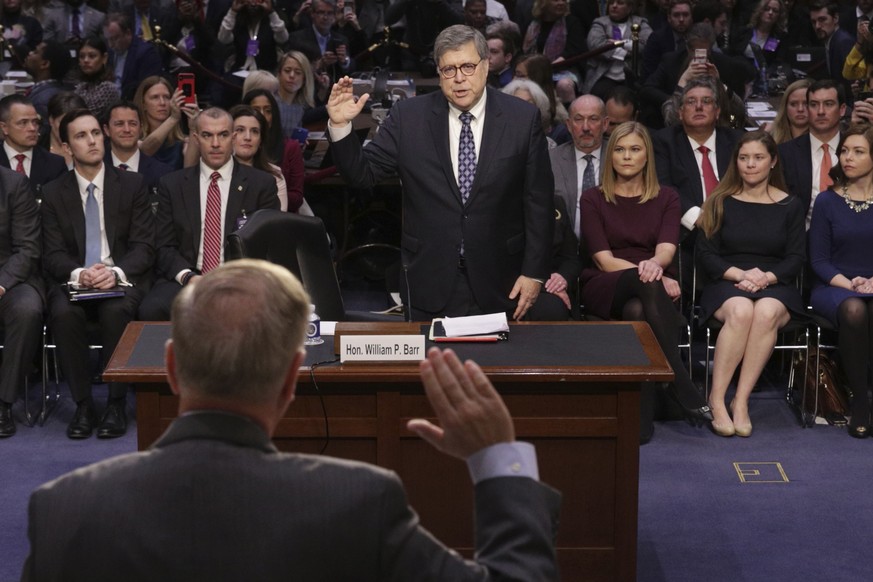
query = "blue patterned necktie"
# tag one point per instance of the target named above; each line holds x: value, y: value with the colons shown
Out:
x: 588, y: 174
x: 92, y: 230
x: 466, y: 157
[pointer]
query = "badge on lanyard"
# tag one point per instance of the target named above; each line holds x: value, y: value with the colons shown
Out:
x: 252, y: 48
x: 771, y: 44
x: 190, y: 45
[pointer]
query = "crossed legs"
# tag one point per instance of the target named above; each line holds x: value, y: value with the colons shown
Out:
x: 748, y: 336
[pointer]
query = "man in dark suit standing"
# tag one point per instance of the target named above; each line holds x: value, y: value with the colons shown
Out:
x: 98, y: 233
x: 668, y: 38
x: 198, y: 207
x: 132, y: 58
x: 123, y: 130
x: 478, y: 209
x: 825, y: 18
x: 71, y: 21
x: 576, y: 165
x: 807, y: 160
x: 21, y: 303
x: 215, y: 500
x: 20, y: 122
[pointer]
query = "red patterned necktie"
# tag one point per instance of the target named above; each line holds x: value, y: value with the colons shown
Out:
x: 709, y: 179
x: 212, y: 226
x: 20, y: 167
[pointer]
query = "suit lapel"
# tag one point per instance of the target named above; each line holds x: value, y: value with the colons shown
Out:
x: 687, y: 158
x: 804, y: 147
x: 190, y: 196
x: 72, y: 202
x: 723, y: 152
x: 111, y: 192
x: 439, y: 131
x: 235, y: 196
x: 492, y: 134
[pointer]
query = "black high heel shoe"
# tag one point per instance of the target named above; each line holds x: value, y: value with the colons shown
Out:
x: 699, y: 415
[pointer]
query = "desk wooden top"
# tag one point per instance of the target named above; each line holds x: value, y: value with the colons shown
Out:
x: 571, y: 351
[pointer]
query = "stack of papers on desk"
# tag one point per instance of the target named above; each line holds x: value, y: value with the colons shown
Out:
x: 475, y: 328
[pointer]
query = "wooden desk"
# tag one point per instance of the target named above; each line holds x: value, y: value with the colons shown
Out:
x: 583, y: 419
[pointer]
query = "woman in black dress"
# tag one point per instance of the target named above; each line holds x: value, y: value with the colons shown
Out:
x: 630, y: 226
x: 751, y: 248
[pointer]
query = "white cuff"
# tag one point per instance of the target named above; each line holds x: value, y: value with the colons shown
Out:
x: 689, y: 219
x: 337, y: 133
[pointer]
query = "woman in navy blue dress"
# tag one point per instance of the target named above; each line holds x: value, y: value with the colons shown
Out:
x: 840, y: 245
x: 751, y: 248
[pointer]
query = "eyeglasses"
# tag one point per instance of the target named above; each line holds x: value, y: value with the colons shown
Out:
x: 467, y: 68
x: 703, y: 101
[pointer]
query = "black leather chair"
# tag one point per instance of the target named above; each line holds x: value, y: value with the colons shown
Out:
x: 300, y: 244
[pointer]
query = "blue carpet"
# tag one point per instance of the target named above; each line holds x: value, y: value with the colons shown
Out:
x: 697, y: 520
x: 39, y: 454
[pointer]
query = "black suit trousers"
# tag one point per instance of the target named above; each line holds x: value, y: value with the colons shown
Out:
x: 22, y: 317
x: 70, y: 323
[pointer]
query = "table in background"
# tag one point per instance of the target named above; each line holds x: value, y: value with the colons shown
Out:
x: 572, y: 389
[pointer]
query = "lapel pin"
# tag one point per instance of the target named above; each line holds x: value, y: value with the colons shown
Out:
x: 239, y: 188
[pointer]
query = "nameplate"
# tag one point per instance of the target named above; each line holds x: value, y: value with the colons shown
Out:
x: 381, y: 348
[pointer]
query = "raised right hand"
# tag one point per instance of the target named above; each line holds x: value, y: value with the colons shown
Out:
x: 341, y: 105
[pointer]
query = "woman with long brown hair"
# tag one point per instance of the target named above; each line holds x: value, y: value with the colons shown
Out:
x: 630, y: 226
x: 751, y: 248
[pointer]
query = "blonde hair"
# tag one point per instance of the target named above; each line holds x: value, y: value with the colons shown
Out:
x: 713, y: 209
x: 306, y: 95
x: 651, y: 187
x: 781, y: 130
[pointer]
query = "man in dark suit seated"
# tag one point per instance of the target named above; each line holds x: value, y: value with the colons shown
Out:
x: 323, y: 45
x: 213, y: 499
x: 807, y: 160
x: 98, y: 233
x: 20, y: 122
x: 132, y: 58
x: 478, y: 207
x: 198, y: 207
x: 677, y: 68
x: 693, y: 157
x: 123, y: 130
x: 21, y: 290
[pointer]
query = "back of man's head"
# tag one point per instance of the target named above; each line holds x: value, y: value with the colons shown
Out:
x: 58, y: 56
x: 236, y: 331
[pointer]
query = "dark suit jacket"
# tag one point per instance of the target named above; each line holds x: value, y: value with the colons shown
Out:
x: 734, y: 72
x: 563, y: 159
x: 19, y: 232
x: 128, y: 219
x: 840, y: 46
x: 795, y: 157
x: 143, y: 60
x: 45, y: 167
x: 661, y: 42
x: 677, y: 165
x: 217, y: 501
x: 151, y: 169
x: 179, y: 225
x: 304, y: 40
x: 507, y: 223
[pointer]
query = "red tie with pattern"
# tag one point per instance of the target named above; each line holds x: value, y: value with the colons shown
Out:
x: 212, y: 226
x: 20, y: 167
x: 709, y: 179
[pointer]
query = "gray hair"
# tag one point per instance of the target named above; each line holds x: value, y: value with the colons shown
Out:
x: 455, y: 37
x: 536, y: 92
x: 261, y: 80
x: 704, y: 81
x: 211, y: 113
x: 236, y: 330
